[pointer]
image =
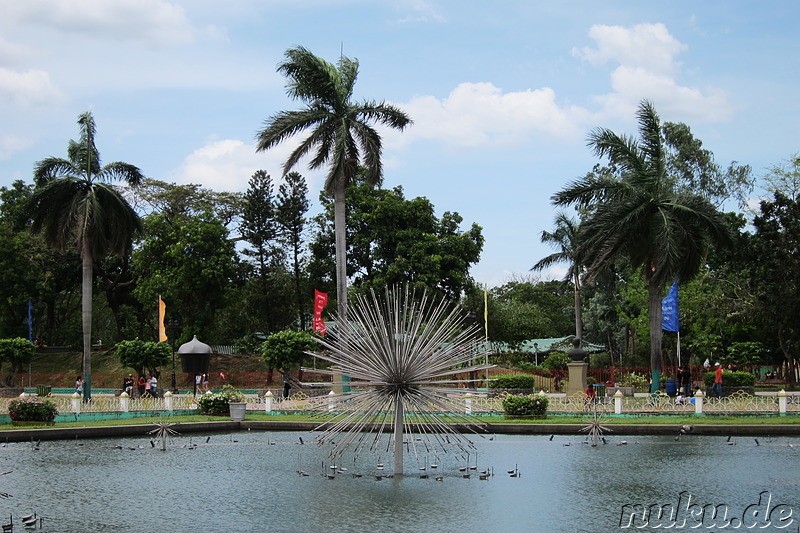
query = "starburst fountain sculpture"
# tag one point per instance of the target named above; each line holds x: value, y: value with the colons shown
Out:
x: 402, y: 354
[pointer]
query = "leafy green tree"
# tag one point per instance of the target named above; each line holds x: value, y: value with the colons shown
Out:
x: 143, y: 356
x: 641, y: 215
x: 191, y: 263
x: 291, y: 206
x: 31, y: 270
x: 74, y: 204
x: 776, y: 273
x: 395, y: 241
x: 174, y: 201
x: 260, y: 229
x: 785, y: 178
x: 342, y: 134
x: 17, y: 352
x: 694, y: 168
x: 258, y: 226
x: 565, y: 237
x: 286, y: 349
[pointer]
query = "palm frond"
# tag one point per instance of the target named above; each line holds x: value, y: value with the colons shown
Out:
x: 52, y: 168
x: 131, y: 175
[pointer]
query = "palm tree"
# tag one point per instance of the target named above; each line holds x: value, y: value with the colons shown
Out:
x: 639, y: 214
x: 341, y: 137
x: 73, y: 204
x: 565, y: 238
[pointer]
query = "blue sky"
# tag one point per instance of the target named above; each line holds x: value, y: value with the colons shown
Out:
x: 502, y: 94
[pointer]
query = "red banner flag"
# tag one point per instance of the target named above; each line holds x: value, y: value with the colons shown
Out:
x: 320, y: 301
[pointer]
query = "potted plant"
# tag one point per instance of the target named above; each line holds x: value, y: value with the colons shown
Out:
x: 229, y: 401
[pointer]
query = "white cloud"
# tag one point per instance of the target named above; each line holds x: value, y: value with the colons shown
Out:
x: 480, y: 114
x: 648, y: 68
x: 227, y: 165
x: 647, y: 46
x: 28, y: 89
x: 153, y: 22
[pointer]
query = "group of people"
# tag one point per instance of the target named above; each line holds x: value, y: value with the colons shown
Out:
x: 201, y: 382
x: 144, y: 386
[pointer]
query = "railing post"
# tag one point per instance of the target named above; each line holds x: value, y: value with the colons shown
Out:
x: 169, y: 401
x: 468, y: 403
x: 783, y: 400
x: 331, y: 401
x: 124, y: 402
x: 618, y: 402
x: 268, y: 402
x: 75, y: 401
x: 698, y: 402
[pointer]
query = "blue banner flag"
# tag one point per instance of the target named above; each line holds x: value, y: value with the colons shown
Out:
x: 30, y: 321
x: 669, y: 309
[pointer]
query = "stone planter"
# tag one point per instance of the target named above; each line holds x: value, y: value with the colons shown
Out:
x: 237, y: 411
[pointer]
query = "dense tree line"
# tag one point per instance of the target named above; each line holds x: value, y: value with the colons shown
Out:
x: 231, y: 267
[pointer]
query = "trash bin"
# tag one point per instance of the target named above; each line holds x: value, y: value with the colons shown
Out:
x: 672, y: 387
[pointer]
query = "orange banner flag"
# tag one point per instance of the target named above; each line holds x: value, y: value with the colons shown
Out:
x: 162, y: 311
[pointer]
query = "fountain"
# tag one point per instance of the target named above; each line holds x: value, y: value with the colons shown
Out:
x: 402, y: 354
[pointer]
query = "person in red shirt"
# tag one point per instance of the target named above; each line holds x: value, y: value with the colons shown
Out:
x: 717, y: 388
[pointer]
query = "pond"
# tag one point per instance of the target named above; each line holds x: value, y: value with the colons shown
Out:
x: 249, y: 482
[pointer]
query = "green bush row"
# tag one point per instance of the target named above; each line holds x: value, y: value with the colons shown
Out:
x: 512, y: 381
x: 732, y: 379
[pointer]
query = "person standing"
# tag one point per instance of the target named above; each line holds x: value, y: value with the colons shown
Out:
x: 127, y: 384
x: 685, y: 380
x: 717, y: 380
x: 79, y: 381
x: 141, y: 384
x: 153, y: 383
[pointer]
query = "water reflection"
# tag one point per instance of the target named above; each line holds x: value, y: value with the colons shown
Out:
x: 248, y: 482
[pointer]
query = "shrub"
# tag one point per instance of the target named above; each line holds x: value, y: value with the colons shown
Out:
x: 18, y: 352
x: 525, y: 404
x: 512, y: 381
x: 32, y: 410
x: 216, y: 403
x: 525, y: 365
x: 731, y: 379
x: 632, y: 379
x: 556, y: 361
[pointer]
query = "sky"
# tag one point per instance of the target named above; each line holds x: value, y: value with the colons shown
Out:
x: 502, y: 94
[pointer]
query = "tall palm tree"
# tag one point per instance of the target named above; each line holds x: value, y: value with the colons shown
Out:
x: 639, y: 214
x: 341, y: 137
x: 74, y: 204
x: 565, y: 238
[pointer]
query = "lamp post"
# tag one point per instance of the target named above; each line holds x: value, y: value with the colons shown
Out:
x: 173, y: 324
x: 536, y: 352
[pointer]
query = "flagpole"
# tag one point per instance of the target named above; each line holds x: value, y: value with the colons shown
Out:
x: 679, y: 347
x: 486, y: 331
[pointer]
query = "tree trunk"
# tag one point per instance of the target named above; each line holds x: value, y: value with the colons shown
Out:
x: 86, y: 316
x: 578, y: 313
x: 340, y: 231
x: 655, y: 313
